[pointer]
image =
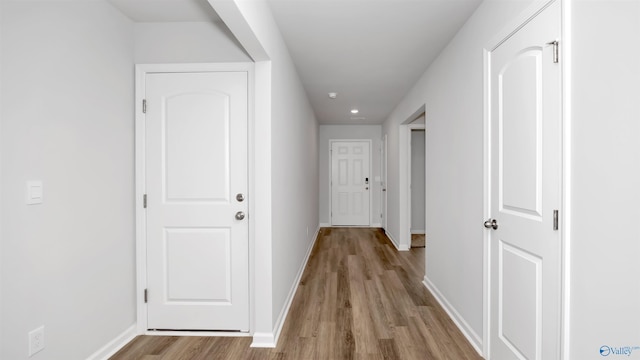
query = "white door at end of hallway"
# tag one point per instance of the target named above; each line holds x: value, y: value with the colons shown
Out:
x: 525, y: 192
x: 195, y: 170
x: 350, y: 183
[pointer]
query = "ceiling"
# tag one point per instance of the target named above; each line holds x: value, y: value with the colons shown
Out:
x: 369, y: 52
x: 166, y: 10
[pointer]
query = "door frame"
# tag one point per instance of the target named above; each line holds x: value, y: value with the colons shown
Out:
x: 141, y: 71
x: 404, y: 177
x: 510, y: 29
x: 331, y: 141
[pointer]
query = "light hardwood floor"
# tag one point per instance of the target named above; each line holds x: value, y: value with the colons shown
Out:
x: 359, y: 298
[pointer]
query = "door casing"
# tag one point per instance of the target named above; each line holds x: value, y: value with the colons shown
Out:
x: 564, y: 237
x: 141, y: 70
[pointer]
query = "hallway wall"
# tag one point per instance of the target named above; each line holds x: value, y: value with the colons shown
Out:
x: 289, y: 134
x: 452, y: 89
x: 67, y: 119
x: 605, y: 155
x: 367, y: 132
x: 186, y: 42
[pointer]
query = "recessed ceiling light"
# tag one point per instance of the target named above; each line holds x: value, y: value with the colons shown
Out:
x: 333, y: 95
x: 354, y: 111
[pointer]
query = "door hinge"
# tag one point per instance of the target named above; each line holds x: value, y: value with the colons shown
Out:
x: 144, y: 106
x: 146, y: 296
x: 144, y: 201
x: 555, y: 219
x: 556, y: 51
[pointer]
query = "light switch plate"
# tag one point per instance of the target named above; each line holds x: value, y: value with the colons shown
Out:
x: 35, y: 192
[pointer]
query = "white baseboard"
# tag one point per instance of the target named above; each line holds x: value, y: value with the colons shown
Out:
x: 263, y: 340
x: 418, y: 232
x: 269, y: 340
x: 115, y: 345
x: 467, y: 331
x: 325, y: 225
x: 395, y: 243
x: 376, y: 225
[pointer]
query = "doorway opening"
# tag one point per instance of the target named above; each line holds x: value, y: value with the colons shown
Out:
x: 417, y: 187
x: 412, y: 179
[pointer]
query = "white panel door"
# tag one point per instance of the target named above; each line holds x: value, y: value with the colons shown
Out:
x: 525, y: 280
x: 196, y: 164
x: 350, y: 183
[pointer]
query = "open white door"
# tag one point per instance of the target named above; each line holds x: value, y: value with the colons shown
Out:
x: 350, y: 183
x: 525, y: 185
x: 195, y: 148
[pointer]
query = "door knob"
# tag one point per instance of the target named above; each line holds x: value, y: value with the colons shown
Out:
x: 239, y: 215
x: 240, y: 197
x: 491, y: 224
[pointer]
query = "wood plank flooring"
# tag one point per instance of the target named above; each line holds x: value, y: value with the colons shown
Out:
x: 358, y: 298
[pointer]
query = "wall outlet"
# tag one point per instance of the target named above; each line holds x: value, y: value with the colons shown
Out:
x: 36, y: 341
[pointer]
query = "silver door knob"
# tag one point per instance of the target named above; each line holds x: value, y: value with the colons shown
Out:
x: 239, y: 215
x: 491, y: 224
x: 240, y: 197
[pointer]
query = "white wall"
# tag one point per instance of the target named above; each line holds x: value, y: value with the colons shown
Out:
x: 186, y: 42
x: 366, y: 132
x: 605, y: 236
x: 454, y: 159
x: 1, y: 198
x: 294, y: 171
x: 418, y: 162
x: 293, y: 146
x: 67, y: 119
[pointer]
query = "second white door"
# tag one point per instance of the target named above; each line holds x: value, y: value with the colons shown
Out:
x: 350, y: 183
x: 525, y: 192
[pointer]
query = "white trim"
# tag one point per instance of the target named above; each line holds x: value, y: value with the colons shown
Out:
x: 376, y: 225
x: 264, y: 340
x: 331, y: 141
x: 418, y: 232
x: 473, y: 338
x: 115, y: 345
x: 260, y: 225
x: 486, y: 211
x: 322, y: 225
x: 565, y: 217
x: 270, y: 340
x: 507, y: 31
x: 141, y: 71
